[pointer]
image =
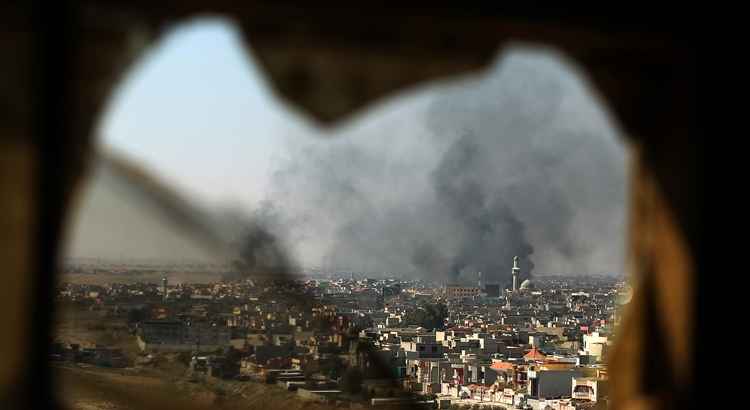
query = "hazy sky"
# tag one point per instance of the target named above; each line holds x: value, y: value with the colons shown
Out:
x: 197, y: 112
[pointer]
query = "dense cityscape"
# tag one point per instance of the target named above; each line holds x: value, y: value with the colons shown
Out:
x: 352, y: 340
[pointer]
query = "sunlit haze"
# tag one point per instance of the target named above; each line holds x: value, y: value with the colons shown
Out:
x: 411, y: 186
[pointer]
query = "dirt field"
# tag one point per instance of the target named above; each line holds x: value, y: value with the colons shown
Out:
x: 93, y: 388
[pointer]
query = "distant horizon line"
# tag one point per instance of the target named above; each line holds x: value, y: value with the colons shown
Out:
x: 72, y: 260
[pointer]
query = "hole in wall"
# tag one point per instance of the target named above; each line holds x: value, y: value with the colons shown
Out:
x: 438, y: 184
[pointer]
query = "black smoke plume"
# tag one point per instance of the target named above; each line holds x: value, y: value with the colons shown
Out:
x: 489, y: 234
x: 260, y: 253
x: 459, y: 179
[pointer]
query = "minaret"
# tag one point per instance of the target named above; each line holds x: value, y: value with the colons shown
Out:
x: 516, y: 270
x: 164, y: 288
x: 479, y: 284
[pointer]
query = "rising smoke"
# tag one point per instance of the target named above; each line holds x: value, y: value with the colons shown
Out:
x: 460, y: 179
x: 488, y: 232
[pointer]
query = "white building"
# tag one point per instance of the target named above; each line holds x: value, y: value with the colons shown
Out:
x: 595, y: 345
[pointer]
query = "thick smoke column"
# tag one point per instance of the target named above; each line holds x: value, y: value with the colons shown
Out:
x: 548, y: 151
x: 489, y: 233
x: 460, y: 179
x: 260, y: 253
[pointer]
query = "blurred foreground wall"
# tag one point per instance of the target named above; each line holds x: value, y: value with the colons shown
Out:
x: 61, y: 62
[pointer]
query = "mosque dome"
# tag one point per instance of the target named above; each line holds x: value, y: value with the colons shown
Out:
x: 527, y: 284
